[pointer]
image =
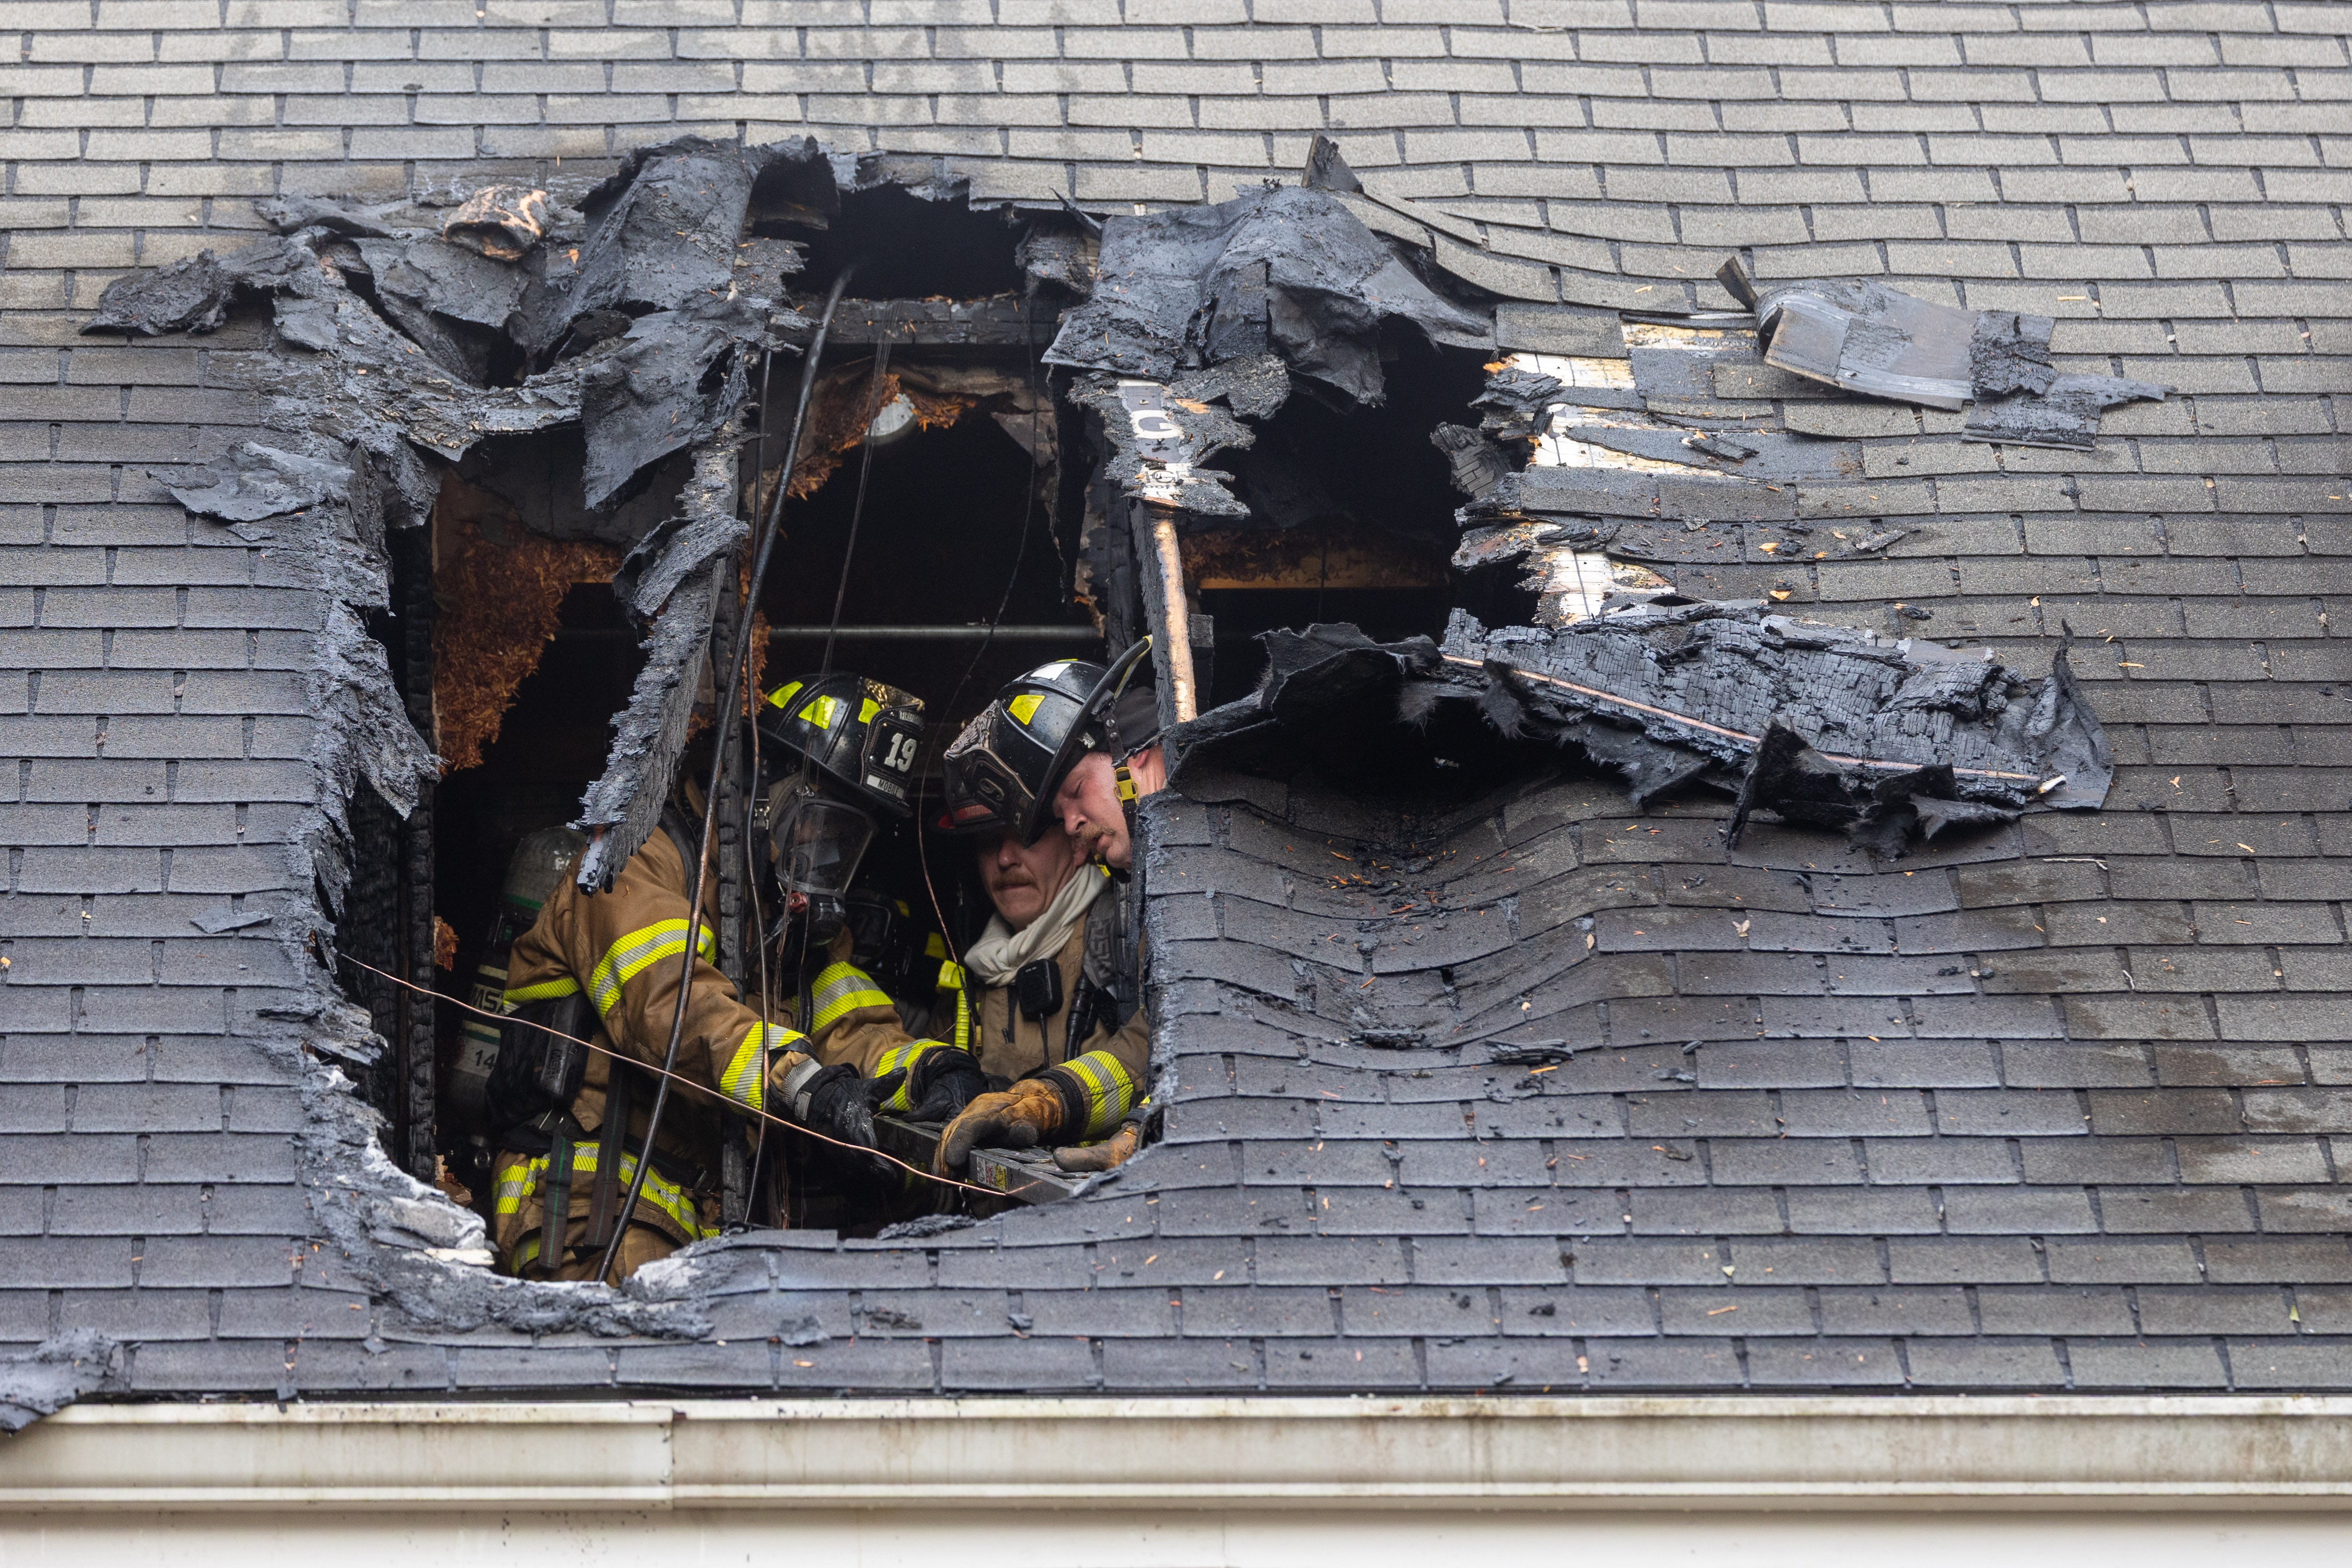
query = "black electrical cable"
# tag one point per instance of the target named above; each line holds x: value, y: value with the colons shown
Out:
x: 720, y: 747
x: 1020, y: 553
x: 857, y: 507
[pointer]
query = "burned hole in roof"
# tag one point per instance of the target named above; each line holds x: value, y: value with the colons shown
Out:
x: 1045, y: 433
x: 904, y: 246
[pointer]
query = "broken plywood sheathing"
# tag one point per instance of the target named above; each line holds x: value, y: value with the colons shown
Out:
x: 662, y: 231
x: 1286, y: 272
x: 666, y: 384
x: 454, y: 301
x: 669, y: 585
x: 1158, y: 442
x: 1570, y: 584
x: 1715, y: 677
x: 373, y: 381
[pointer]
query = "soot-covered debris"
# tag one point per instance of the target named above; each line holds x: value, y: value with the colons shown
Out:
x: 2010, y: 353
x: 1890, y: 739
x: 53, y: 1374
x: 1866, y: 337
x: 1714, y: 678
x: 453, y: 302
x: 254, y: 482
x: 1161, y: 435
x: 1287, y: 271
x: 667, y: 384
x: 1476, y: 464
x: 672, y: 581
x: 194, y: 295
x: 2064, y: 414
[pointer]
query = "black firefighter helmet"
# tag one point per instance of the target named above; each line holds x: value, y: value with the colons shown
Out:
x: 1004, y: 769
x: 840, y: 745
x: 861, y: 735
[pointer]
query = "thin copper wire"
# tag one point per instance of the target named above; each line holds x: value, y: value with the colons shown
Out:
x: 680, y: 1079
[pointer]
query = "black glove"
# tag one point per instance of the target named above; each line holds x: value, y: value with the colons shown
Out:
x: 945, y: 1081
x: 833, y: 1102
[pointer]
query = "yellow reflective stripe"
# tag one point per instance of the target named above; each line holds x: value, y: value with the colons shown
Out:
x: 840, y: 990
x: 781, y: 696
x: 950, y: 976
x: 634, y: 952
x: 902, y: 1098
x: 516, y: 1182
x: 540, y: 991
x: 1110, y: 1090
x: 745, y: 1077
x: 742, y: 1077
x: 963, y: 1020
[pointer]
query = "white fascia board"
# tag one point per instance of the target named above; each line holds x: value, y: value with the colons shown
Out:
x: 1934, y: 1452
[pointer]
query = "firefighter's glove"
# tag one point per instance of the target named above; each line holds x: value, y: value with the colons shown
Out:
x: 945, y: 1081
x: 833, y: 1100
x: 1111, y: 1152
x: 1021, y: 1117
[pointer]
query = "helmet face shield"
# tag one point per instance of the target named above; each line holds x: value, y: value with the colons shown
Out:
x: 985, y: 791
x: 817, y: 844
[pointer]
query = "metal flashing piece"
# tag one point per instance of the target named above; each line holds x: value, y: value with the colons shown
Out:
x: 1866, y: 337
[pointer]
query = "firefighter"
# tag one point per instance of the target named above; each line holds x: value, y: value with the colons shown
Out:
x: 1095, y: 797
x: 1058, y: 1010
x: 607, y: 965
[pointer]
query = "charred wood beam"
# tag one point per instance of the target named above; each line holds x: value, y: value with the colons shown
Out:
x: 419, y: 1047
x: 1168, y: 616
x: 1007, y: 633
x: 1003, y: 322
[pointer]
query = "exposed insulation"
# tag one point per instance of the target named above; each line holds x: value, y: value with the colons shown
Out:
x: 845, y: 401
x: 500, y: 603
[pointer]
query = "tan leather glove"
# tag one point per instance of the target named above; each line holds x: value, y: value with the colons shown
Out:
x: 1021, y: 1117
x: 1111, y: 1152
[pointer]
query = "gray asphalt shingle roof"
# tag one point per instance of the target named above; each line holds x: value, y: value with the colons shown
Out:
x: 2059, y: 1108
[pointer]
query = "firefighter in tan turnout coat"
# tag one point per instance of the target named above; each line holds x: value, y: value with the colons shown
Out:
x: 606, y: 965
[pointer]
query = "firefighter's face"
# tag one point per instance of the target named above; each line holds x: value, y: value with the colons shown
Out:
x: 1087, y: 802
x: 1022, y: 879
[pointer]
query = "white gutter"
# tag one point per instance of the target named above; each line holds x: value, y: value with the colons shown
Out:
x: 1939, y: 1453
